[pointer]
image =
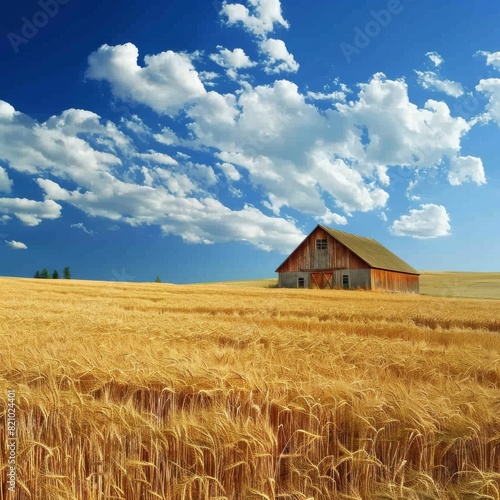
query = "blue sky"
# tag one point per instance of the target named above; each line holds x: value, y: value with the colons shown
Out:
x: 201, y: 141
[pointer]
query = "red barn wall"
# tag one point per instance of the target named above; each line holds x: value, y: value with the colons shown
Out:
x: 336, y: 256
x: 394, y: 282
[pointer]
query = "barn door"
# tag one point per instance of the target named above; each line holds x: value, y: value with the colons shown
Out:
x: 316, y: 280
x: 328, y: 280
x: 322, y: 280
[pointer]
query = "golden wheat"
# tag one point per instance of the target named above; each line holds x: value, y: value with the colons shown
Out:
x: 152, y: 391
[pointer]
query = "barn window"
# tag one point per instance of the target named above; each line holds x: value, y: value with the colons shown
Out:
x: 345, y: 281
x: 300, y: 282
x: 321, y: 245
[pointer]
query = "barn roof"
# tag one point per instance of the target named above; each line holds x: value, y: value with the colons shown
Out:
x: 369, y: 250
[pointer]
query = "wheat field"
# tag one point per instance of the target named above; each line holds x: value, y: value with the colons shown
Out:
x: 156, y: 391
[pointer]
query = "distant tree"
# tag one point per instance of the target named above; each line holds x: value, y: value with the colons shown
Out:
x: 55, y: 275
x: 44, y: 274
x: 37, y: 275
x: 67, y: 273
x: 157, y: 280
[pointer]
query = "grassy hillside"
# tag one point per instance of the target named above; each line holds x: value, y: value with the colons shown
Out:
x: 453, y: 284
x: 153, y: 391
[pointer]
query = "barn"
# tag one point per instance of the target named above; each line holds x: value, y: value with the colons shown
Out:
x: 329, y: 258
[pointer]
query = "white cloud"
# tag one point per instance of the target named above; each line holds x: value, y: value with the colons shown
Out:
x: 295, y: 155
x: 204, y: 220
x: 30, y: 212
x: 167, y: 137
x: 431, y: 81
x: 165, y: 83
x: 431, y: 221
x: 330, y: 218
x: 229, y: 171
x: 208, y: 77
x: 136, y: 125
x: 491, y: 88
x: 492, y: 58
x: 5, y: 182
x: 214, y: 114
x: 76, y: 122
x: 73, y: 146
x: 337, y: 95
x: 466, y: 169
x: 204, y: 174
x: 248, y: 224
x: 274, y: 204
x: 148, y: 178
x: 278, y: 58
x: 399, y: 132
x: 232, y: 61
x: 299, y: 154
x: 436, y: 59
x: 259, y: 19
x: 177, y: 183
x: 16, y: 245
x: 236, y: 193
x: 408, y: 193
x: 157, y: 158
x: 81, y: 226
x: 346, y: 184
x: 7, y: 111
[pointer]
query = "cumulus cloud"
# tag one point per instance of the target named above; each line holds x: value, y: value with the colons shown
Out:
x: 435, y: 58
x: 492, y: 58
x: 491, y: 88
x: 399, y: 132
x: 7, y: 111
x: 278, y: 58
x: 86, y: 124
x: 157, y: 158
x: 259, y: 19
x: 30, y: 212
x: 196, y: 220
x: 336, y: 95
x: 466, y: 169
x: 430, y: 221
x: 431, y: 81
x: 346, y: 184
x: 136, y: 124
x: 74, y: 146
x: 232, y: 61
x: 5, y: 182
x: 167, y: 136
x: 229, y: 171
x: 325, y: 163
x: 330, y: 218
x: 16, y: 245
x: 74, y: 150
x: 165, y: 83
x: 299, y: 154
